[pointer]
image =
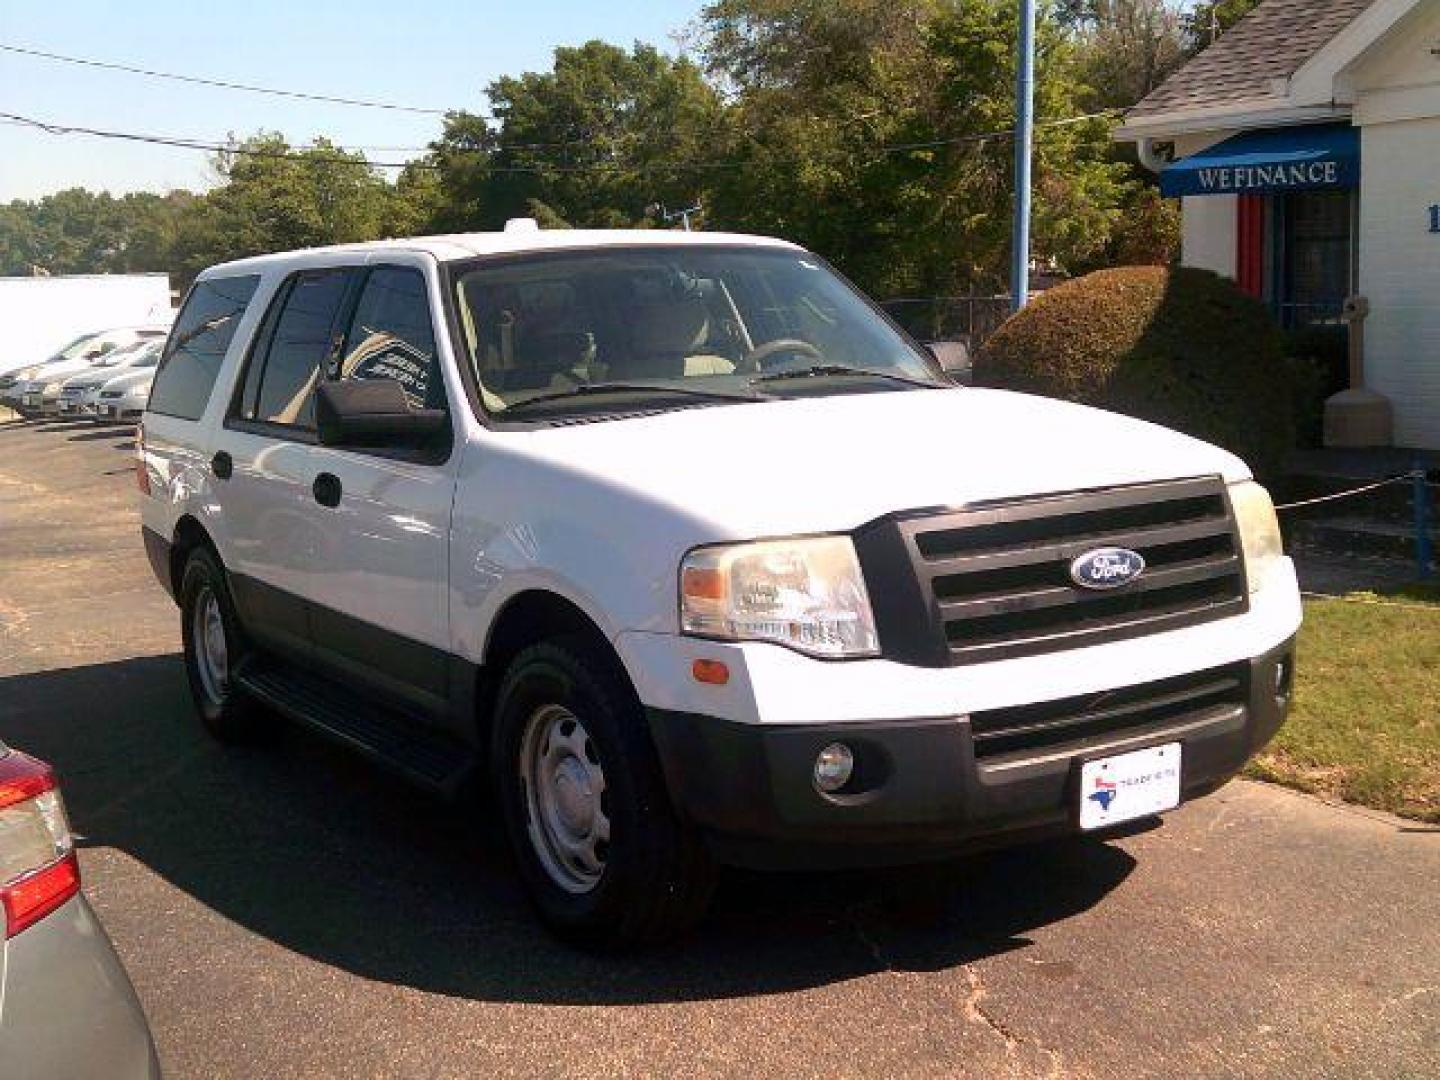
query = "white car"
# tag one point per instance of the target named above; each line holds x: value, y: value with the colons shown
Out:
x: 79, y: 394
x: 122, y: 398
x: 39, y: 394
x: 687, y: 549
x: 14, y: 375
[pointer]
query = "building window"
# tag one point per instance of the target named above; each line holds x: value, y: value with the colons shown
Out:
x: 1315, y: 254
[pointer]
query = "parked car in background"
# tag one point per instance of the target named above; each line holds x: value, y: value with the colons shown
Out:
x: 80, y: 393
x: 15, y: 375
x: 698, y: 558
x: 67, y: 1008
x: 122, y: 399
x: 39, y: 395
x: 11, y: 363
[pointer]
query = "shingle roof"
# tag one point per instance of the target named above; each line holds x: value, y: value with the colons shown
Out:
x: 1272, y: 42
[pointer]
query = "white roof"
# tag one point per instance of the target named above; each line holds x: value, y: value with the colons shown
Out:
x: 514, y: 241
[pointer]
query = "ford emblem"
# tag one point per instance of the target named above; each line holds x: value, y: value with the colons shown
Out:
x: 1107, y: 568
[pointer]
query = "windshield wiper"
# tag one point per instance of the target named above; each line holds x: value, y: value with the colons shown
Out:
x: 820, y: 371
x: 587, y: 389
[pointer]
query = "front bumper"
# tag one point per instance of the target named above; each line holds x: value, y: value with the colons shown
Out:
x: 921, y: 791
x: 118, y: 410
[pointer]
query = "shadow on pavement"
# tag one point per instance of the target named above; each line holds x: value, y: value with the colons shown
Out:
x: 317, y: 851
x: 99, y: 434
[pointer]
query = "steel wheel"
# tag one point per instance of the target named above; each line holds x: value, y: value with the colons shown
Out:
x: 212, y: 658
x: 565, y: 800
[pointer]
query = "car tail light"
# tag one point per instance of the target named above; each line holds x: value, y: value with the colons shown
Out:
x: 38, y: 869
x: 142, y: 473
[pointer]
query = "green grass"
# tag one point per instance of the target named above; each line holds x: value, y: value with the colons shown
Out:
x: 1366, y: 723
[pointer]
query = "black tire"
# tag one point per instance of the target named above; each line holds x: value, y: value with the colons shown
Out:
x: 657, y: 876
x: 227, y: 713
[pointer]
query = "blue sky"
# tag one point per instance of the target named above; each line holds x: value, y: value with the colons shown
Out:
x: 439, y: 54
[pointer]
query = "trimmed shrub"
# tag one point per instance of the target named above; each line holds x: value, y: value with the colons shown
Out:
x: 1177, y: 346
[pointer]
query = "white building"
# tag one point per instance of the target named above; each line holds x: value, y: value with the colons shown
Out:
x: 1305, y: 144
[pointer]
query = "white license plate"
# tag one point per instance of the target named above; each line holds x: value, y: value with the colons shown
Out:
x: 1129, y: 786
x: 103, y: 410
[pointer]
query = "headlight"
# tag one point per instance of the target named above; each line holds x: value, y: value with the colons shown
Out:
x: 807, y: 593
x: 1259, y: 531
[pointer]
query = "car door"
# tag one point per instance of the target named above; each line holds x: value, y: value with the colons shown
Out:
x: 277, y: 549
x: 381, y: 611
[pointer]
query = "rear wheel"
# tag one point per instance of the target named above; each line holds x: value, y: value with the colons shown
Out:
x: 602, y: 853
x: 214, y: 643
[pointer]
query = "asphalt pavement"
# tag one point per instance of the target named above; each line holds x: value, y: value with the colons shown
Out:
x: 289, y: 911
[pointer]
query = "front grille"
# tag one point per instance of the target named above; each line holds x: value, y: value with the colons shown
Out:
x: 1130, y: 710
x: 993, y: 581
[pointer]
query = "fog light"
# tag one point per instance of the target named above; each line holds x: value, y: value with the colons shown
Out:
x: 833, y: 767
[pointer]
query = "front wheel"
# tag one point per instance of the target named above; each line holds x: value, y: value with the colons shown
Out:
x: 602, y: 853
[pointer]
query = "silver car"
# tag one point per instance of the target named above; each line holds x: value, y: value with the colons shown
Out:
x: 80, y: 393
x: 40, y: 394
x: 67, y: 1009
x: 124, y: 397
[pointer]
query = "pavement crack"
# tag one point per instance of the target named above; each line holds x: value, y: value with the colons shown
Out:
x: 977, y: 1013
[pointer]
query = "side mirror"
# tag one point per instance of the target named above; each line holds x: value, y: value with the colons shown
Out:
x: 372, y: 412
x: 954, y: 359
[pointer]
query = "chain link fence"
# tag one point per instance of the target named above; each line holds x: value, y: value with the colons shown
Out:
x: 969, y: 319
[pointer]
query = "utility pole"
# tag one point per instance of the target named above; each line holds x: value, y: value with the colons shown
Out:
x: 1024, y: 146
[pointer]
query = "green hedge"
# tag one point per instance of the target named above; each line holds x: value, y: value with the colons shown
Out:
x: 1178, y: 346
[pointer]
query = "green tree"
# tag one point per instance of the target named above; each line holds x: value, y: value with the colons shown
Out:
x: 1208, y: 19
x: 274, y: 198
x: 594, y: 142
x: 1126, y: 48
x: 878, y: 133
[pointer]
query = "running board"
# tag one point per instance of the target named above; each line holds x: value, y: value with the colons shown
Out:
x: 395, y: 739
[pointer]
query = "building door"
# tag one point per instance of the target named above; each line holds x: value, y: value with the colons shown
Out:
x: 1316, y: 256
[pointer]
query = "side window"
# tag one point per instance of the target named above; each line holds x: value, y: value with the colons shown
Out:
x: 392, y: 337
x: 280, y: 386
x: 196, y: 347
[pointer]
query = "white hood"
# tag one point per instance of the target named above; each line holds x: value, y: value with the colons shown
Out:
x: 60, y: 370
x: 830, y: 464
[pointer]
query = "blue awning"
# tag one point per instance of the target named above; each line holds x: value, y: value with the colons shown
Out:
x: 1266, y: 162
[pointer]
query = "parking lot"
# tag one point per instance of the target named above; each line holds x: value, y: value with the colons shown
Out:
x: 288, y: 911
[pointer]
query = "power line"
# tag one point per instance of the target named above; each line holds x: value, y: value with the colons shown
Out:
x: 200, y: 144
x: 312, y: 154
x: 219, y: 83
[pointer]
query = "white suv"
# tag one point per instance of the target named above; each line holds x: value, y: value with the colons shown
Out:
x: 678, y: 542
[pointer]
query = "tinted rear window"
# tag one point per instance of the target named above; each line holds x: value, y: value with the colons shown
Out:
x: 203, y: 331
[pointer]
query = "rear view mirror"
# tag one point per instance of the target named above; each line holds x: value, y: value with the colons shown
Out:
x: 372, y: 412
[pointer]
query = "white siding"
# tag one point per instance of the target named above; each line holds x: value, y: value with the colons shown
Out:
x: 1400, y: 273
x: 1207, y: 233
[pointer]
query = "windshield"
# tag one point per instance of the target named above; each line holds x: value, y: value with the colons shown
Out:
x: 678, y: 324
x: 75, y: 349
x: 149, y: 354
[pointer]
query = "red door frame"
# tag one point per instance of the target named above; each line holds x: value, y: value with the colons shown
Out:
x: 1250, y: 244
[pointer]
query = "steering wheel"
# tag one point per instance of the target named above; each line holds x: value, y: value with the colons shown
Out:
x: 755, y: 359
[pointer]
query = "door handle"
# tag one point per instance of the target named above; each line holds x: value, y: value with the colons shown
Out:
x: 222, y: 465
x: 326, y: 489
